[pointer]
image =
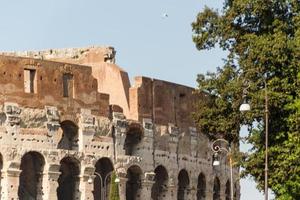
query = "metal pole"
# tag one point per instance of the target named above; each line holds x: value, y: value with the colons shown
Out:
x: 101, y: 185
x: 107, y: 175
x: 231, y: 178
x: 266, y: 142
x: 266, y: 133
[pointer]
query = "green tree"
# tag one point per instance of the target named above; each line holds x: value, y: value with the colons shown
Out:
x: 262, y: 38
x: 114, y: 189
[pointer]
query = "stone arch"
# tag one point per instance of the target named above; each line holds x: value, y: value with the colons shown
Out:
x: 69, y: 140
x: 103, y: 169
x: 133, y: 184
x: 68, y: 181
x: 160, y: 187
x: 216, y: 189
x: 201, y: 187
x: 134, y: 136
x: 31, y: 176
x: 69, y: 117
x: 227, y: 190
x: 183, y: 184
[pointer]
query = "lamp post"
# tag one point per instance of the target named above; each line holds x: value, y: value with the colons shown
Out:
x: 246, y: 107
x: 216, y: 148
x: 102, y: 184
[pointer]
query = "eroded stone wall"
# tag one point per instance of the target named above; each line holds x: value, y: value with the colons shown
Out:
x: 77, y: 140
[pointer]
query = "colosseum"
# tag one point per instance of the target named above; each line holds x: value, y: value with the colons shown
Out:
x: 70, y: 117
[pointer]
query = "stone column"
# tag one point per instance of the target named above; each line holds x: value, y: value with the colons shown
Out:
x: 120, y: 125
x: 209, y: 191
x: 145, y: 191
x: 171, y: 193
x: 2, y: 185
x: 191, y: 194
x: 42, y: 187
x: 52, y: 184
x: 87, y: 187
x: 86, y: 129
x: 12, y: 184
x: 78, y: 186
x: 122, y: 188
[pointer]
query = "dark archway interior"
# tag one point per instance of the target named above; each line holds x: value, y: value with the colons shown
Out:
x: 227, y: 190
x: 201, y: 187
x: 183, y: 183
x: 32, y: 166
x: 133, y: 137
x: 217, y: 188
x: 133, y: 184
x: 69, y: 140
x: 103, y: 168
x: 160, y: 186
x: 1, y: 166
x: 68, y: 181
x: 235, y: 191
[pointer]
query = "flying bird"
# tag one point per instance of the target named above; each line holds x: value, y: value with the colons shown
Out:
x: 165, y: 15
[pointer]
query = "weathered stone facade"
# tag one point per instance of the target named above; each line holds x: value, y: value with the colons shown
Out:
x: 68, y: 118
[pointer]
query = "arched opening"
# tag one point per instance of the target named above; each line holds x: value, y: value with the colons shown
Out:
x: 68, y: 181
x: 201, y: 187
x: 133, y: 138
x: 183, y: 184
x: 69, y: 140
x: 160, y: 187
x: 216, y: 189
x: 102, y: 180
x: 133, y: 184
x: 31, y: 178
x: 227, y: 190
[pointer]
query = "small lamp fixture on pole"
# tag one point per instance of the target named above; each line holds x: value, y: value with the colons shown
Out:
x: 245, y: 107
x: 216, y: 161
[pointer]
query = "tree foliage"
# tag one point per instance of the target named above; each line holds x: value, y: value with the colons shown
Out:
x: 114, y: 189
x: 262, y: 38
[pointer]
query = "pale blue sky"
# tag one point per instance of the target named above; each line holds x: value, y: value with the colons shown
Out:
x: 147, y: 43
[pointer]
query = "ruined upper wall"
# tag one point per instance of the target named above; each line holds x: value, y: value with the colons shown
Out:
x: 36, y: 83
x: 111, y: 78
x: 164, y: 102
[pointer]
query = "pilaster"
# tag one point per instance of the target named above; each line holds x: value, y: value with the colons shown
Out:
x: 12, y: 187
x: 122, y: 188
x: 191, y: 194
x: 87, y: 184
x: 171, y: 192
x: 145, y: 192
x: 120, y: 125
x: 52, y: 184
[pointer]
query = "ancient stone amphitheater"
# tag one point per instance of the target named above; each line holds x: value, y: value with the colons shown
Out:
x: 70, y: 117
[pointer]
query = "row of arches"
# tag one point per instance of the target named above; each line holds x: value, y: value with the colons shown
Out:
x: 70, y: 138
x: 32, y: 173
x: 161, y: 181
x: 31, y: 177
x: 33, y: 164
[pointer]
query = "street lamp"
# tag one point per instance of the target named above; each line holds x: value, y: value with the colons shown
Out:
x: 216, y: 148
x: 103, y: 187
x: 246, y: 107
